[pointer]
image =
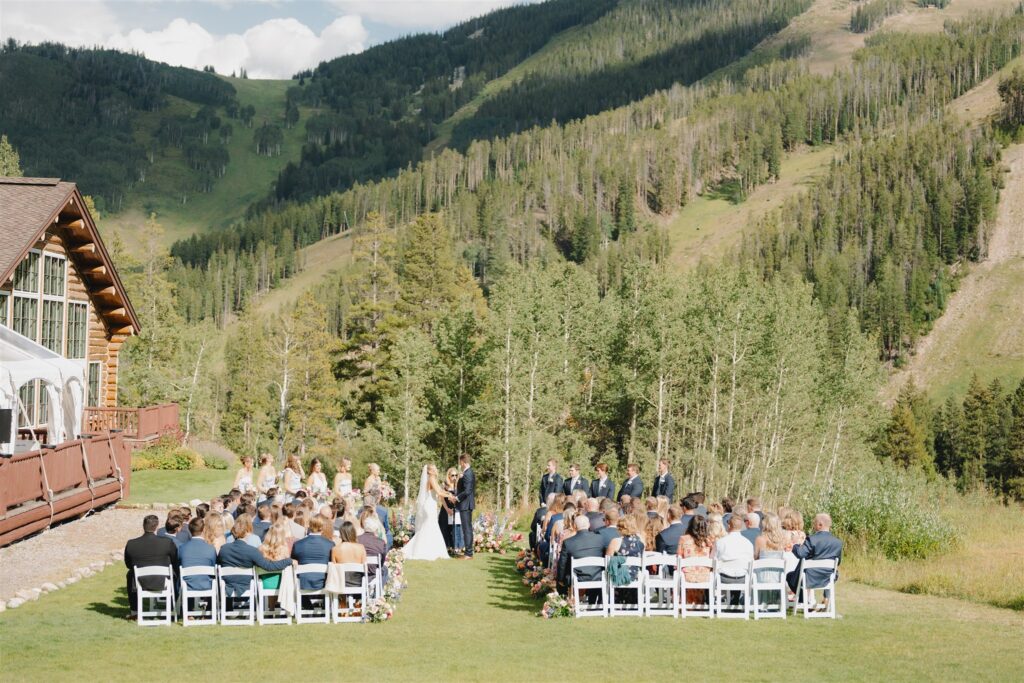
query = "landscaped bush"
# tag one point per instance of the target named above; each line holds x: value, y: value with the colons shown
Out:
x: 168, y: 454
x: 889, y: 511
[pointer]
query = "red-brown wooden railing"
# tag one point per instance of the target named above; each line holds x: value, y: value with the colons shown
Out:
x: 41, y: 487
x: 136, y: 423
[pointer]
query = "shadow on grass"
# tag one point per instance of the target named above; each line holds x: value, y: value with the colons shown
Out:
x: 116, y: 609
x: 506, y: 587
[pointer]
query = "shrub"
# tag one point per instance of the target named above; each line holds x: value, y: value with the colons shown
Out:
x: 167, y: 454
x: 889, y: 511
x: 214, y: 463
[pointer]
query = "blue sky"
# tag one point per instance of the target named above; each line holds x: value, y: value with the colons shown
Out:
x: 269, y: 38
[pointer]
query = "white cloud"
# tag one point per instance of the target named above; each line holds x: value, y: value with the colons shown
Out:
x: 422, y: 14
x: 276, y: 48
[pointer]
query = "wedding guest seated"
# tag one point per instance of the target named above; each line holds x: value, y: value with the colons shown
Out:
x: 197, y: 552
x: 734, y: 554
x: 171, y: 528
x: 754, y: 505
x: 821, y: 545
x: 271, y: 498
x: 594, y: 513
x: 663, y: 503
x: 554, y: 514
x: 315, y: 549
x: 582, y: 544
x: 277, y: 545
x: 699, y: 498
x: 697, y: 542
x: 235, y: 500
x: 382, y: 515
x: 715, y: 527
x: 626, y: 504
x: 349, y: 550
x: 183, y: 534
x: 148, y: 550
x: 715, y: 508
x: 290, y: 511
x: 652, y: 506
x: 216, y: 505
x: 244, y: 524
x: 689, y: 508
x: 558, y: 530
x: 727, y: 505
x: 579, y: 498
x: 610, y: 529
x: 793, y: 525
x: 628, y: 544
x: 213, y: 530
x: 238, y: 553
x: 202, y: 509
x: 649, y: 528
x: 538, y: 518
x: 374, y: 544
x: 261, y: 524
x: 753, y: 530
x: 668, y: 540
x: 770, y: 545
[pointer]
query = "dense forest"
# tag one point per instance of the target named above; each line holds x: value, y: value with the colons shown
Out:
x: 381, y: 106
x: 71, y: 113
x: 633, y: 51
x: 976, y: 440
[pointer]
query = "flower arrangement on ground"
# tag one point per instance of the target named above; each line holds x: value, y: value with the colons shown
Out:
x: 383, y: 606
x: 556, y: 606
x: 403, y: 527
x: 380, y: 610
x: 492, y: 534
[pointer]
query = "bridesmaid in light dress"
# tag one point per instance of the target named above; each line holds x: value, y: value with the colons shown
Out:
x: 343, y: 480
x: 373, y: 481
x: 266, y: 478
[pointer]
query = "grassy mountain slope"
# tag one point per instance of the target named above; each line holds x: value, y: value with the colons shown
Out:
x: 248, y: 177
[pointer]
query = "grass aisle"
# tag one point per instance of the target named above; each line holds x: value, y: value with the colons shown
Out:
x: 462, y: 621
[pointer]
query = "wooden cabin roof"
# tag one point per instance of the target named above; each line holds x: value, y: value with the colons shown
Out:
x: 31, y: 206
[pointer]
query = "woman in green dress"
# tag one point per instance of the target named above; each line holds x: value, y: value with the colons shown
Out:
x: 275, y: 547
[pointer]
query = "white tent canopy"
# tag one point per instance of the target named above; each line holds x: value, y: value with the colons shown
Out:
x: 23, y: 360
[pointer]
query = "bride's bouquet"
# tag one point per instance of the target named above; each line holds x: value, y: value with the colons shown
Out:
x: 387, y: 493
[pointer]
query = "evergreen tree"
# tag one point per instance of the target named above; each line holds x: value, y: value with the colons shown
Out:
x: 903, y: 440
x: 1015, y: 445
x: 10, y: 162
x: 625, y: 208
x: 313, y: 411
x: 247, y: 425
x: 456, y: 384
x: 977, y: 425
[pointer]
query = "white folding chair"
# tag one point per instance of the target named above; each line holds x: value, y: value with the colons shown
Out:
x: 805, y: 594
x: 204, y: 613
x: 580, y: 608
x: 344, y: 606
x: 265, y: 614
x: 663, y: 583
x: 723, y: 589
x: 240, y: 608
x: 376, y: 587
x: 155, y: 615
x: 760, y: 588
x: 618, y: 609
x: 312, y: 614
x: 695, y: 609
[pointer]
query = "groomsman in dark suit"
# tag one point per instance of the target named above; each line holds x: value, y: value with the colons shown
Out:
x: 633, y: 486
x: 551, y: 482
x: 574, y: 482
x: 602, y: 486
x: 664, y: 484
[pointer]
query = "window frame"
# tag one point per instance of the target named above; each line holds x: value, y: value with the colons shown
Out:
x: 35, y: 301
x: 38, y: 253
x: 71, y: 304
x: 92, y: 401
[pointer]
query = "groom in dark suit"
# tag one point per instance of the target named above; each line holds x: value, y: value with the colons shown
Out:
x: 465, y: 492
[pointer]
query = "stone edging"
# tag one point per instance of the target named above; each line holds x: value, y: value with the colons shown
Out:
x: 33, y: 594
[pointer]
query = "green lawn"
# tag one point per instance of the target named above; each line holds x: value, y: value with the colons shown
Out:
x: 171, y: 486
x: 469, y: 621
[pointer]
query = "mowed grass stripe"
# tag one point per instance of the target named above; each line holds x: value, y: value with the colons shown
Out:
x: 474, y: 621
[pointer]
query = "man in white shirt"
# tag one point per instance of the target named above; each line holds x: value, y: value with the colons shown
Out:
x: 602, y: 487
x: 734, y: 554
x: 664, y: 484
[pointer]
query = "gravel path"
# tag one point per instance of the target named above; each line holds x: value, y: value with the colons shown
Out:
x: 55, y: 555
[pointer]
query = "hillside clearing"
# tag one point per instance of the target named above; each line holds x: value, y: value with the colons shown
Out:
x: 319, y: 259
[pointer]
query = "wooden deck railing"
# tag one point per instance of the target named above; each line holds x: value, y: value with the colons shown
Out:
x: 136, y: 423
x: 41, y: 487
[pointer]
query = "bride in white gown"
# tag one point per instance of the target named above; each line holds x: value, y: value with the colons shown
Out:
x: 427, y: 543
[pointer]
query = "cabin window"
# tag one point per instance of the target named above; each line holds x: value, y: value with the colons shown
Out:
x: 4, y: 300
x: 53, y: 325
x: 26, y: 316
x: 27, y: 396
x: 94, y: 384
x: 53, y: 276
x: 77, y: 329
x: 26, y: 275
x: 44, y: 404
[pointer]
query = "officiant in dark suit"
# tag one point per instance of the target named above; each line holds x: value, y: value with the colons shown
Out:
x: 664, y: 484
x: 633, y: 486
x: 465, y: 493
x: 551, y: 482
x: 574, y: 482
x: 602, y: 486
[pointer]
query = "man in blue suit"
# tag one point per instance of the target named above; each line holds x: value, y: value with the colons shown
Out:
x: 821, y: 545
x: 601, y: 486
x: 313, y: 549
x: 632, y: 487
x: 664, y: 484
x: 583, y: 543
x: 465, y: 492
x: 668, y: 540
x: 197, y: 553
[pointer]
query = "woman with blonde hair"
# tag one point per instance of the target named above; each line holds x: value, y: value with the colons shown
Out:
x: 291, y: 477
x: 213, y: 531
x: 628, y: 544
x: 770, y: 545
x: 343, y: 479
x: 561, y: 530
x: 793, y: 526
x: 373, y: 481
x: 266, y: 478
x: 716, y: 527
x: 277, y: 545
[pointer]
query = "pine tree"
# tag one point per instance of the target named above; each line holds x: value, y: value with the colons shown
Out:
x: 903, y: 440
x: 456, y: 383
x: 314, y: 409
x: 1015, y: 445
x: 10, y: 162
x: 247, y: 425
x: 977, y: 424
x: 625, y: 209
x: 948, y: 428
x: 428, y: 274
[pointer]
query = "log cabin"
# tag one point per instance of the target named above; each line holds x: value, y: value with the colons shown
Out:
x: 63, y: 310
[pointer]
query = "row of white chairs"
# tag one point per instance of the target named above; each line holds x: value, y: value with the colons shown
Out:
x: 662, y: 592
x: 252, y: 605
